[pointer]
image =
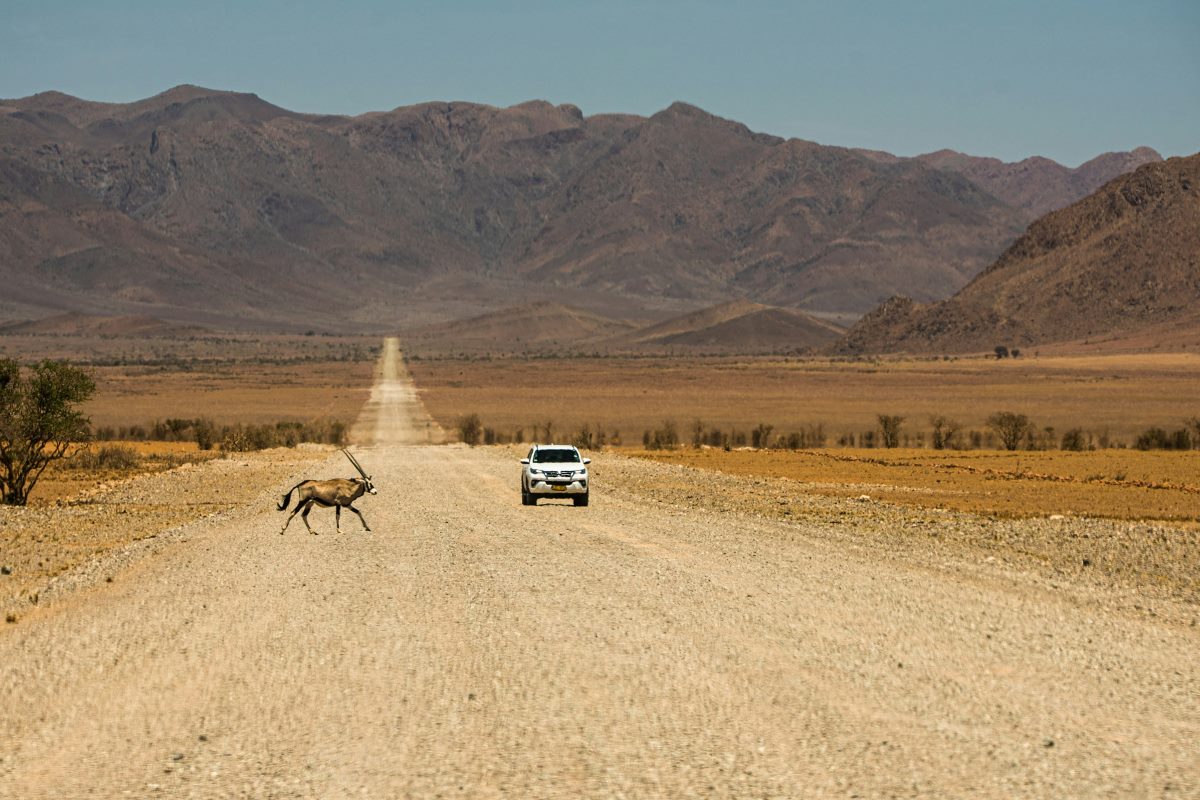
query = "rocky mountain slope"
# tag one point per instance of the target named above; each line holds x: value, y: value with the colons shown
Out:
x: 219, y: 208
x: 1121, y: 262
x: 1036, y: 185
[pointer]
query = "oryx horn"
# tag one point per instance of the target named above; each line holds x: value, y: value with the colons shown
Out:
x: 357, y: 466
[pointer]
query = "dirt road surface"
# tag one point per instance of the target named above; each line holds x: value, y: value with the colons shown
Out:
x: 472, y: 647
x: 393, y: 414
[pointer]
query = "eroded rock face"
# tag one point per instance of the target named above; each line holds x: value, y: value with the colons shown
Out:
x: 1123, y: 262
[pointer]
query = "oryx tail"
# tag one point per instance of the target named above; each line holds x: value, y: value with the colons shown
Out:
x: 287, y: 498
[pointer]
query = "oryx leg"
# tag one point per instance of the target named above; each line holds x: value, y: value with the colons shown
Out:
x: 337, y: 516
x: 295, y: 510
x: 304, y: 516
x: 361, y: 518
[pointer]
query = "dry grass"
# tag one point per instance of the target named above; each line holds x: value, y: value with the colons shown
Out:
x: 1118, y: 394
x: 230, y: 379
x: 66, y: 479
x: 252, y: 394
x: 1118, y: 484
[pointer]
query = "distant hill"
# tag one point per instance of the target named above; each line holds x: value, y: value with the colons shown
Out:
x: 1039, y: 185
x: 1119, y: 265
x: 74, y: 324
x: 221, y: 209
x: 740, y: 326
x: 534, y: 327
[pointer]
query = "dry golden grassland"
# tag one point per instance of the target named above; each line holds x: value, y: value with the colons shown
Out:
x: 1118, y: 394
x: 230, y: 393
x: 229, y: 379
x: 1118, y: 484
x: 68, y: 478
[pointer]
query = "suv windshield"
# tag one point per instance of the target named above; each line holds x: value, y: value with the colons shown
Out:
x: 563, y: 456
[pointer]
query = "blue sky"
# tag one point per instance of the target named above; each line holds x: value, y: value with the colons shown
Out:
x: 1067, y: 80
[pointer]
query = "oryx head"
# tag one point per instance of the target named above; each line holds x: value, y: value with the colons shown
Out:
x: 366, y: 478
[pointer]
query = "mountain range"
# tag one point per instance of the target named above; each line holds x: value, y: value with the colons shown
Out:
x: 1120, y: 268
x: 218, y: 208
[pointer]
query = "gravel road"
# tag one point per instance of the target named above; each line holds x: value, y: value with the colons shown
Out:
x: 472, y: 647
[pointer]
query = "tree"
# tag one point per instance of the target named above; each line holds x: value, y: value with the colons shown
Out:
x: 1010, y: 427
x: 889, y: 428
x: 945, y: 432
x: 1001, y: 351
x: 760, y: 437
x: 39, y: 420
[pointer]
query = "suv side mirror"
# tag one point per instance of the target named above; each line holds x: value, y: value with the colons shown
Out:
x: 587, y: 461
x: 524, y: 460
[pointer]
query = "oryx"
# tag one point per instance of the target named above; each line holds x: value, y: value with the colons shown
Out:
x: 338, y: 492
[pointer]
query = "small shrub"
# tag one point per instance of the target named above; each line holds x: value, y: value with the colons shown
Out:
x: 889, y: 429
x: 1045, y: 439
x: 470, y: 429
x: 205, y: 431
x: 1159, y: 439
x: 110, y: 456
x: 664, y: 437
x: 760, y: 437
x: 584, y: 438
x: 1075, y: 440
x: 809, y: 436
x: 1193, y: 424
x: 946, y: 433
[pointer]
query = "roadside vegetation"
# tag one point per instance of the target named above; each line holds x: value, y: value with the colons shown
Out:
x: 40, y: 419
x: 234, y: 438
x: 1005, y: 430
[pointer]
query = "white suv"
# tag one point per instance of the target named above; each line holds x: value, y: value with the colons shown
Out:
x: 554, y: 470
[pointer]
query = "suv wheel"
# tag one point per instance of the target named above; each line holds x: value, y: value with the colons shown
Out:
x: 581, y: 499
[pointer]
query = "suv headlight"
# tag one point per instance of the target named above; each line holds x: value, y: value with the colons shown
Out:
x: 535, y: 471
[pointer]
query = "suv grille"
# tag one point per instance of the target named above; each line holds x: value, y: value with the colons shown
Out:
x: 559, y: 474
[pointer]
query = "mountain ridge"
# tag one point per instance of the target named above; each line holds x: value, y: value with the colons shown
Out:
x: 1120, y: 262
x: 208, y: 206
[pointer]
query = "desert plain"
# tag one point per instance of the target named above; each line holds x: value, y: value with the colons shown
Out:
x: 693, y: 633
